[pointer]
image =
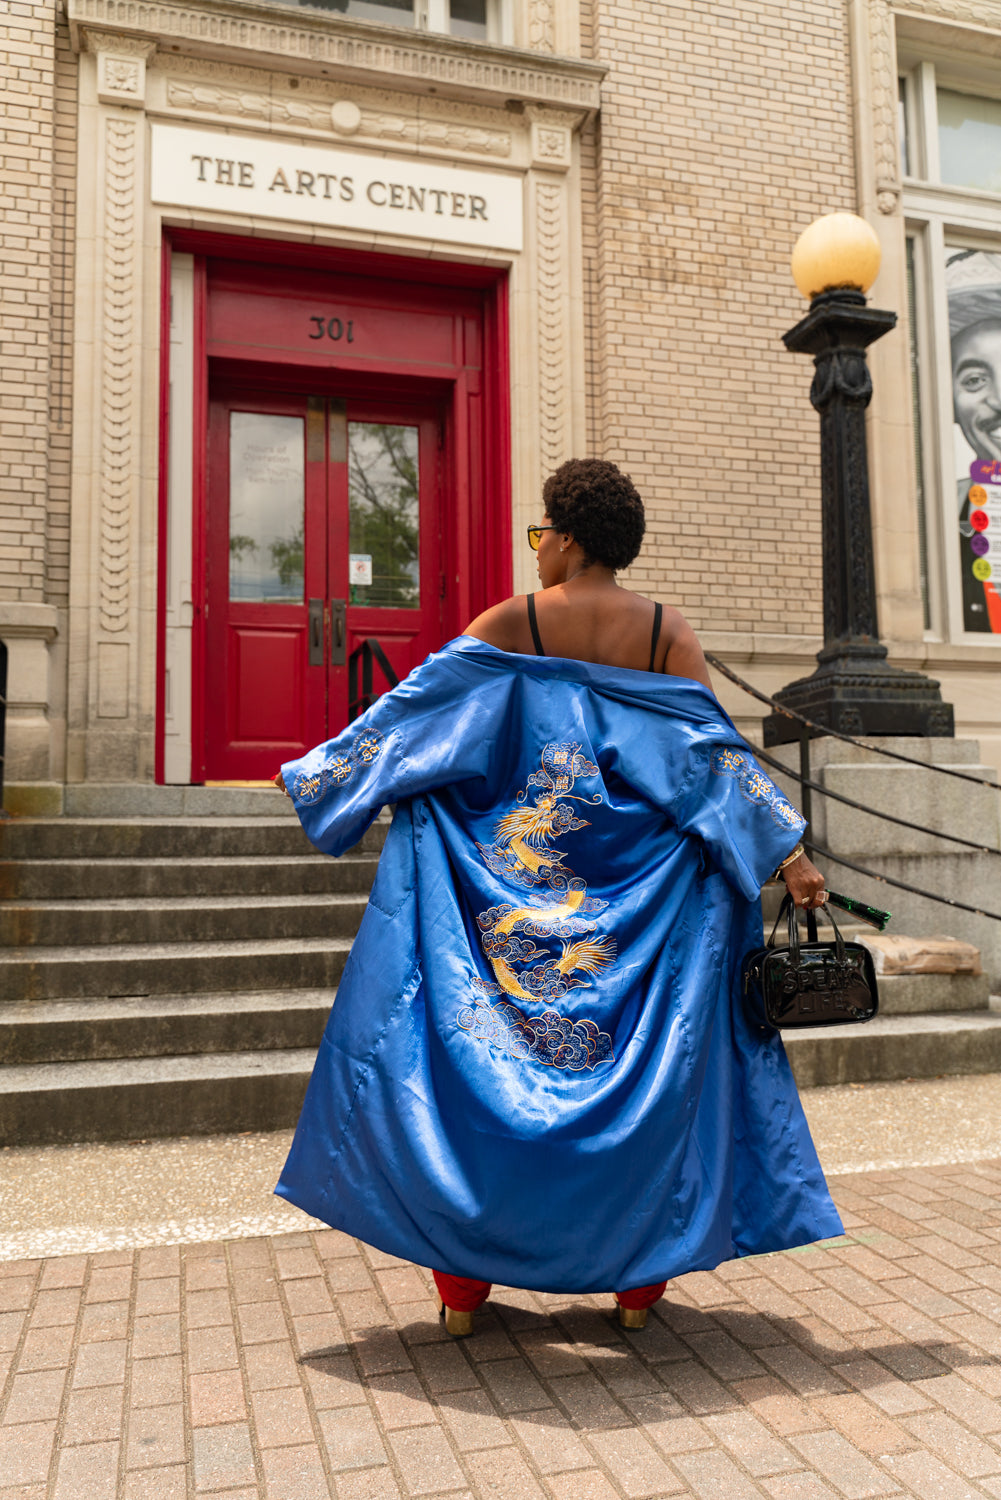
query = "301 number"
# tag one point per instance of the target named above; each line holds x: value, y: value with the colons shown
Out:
x: 333, y: 328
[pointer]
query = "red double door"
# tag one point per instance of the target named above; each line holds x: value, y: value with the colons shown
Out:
x: 323, y: 567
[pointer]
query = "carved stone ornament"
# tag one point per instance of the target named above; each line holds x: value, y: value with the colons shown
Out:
x: 342, y: 118
x: 121, y: 67
x: 552, y: 137
x: 986, y: 13
x: 550, y: 273
x: 119, y: 300
x: 884, y: 106
x: 345, y: 117
x: 541, y: 26
x: 287, y: 40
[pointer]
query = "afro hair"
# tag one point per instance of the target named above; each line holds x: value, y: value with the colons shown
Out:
x: 595, y: 503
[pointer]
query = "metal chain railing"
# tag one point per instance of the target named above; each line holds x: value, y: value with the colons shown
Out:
x: 901, y: 885
x: 861, y: 807
x: 809, y: 785
x: 835, y: 734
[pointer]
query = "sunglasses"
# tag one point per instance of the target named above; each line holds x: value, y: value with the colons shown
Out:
x: 535, y: 535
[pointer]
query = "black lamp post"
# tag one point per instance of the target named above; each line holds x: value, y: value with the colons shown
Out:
x: 854, y: 689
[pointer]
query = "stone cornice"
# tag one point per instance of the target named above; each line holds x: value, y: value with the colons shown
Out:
x: 114, y: 41
x: 291, y: 40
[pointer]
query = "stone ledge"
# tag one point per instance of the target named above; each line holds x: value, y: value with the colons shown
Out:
x: 19, y: 618
x: 296, y: 41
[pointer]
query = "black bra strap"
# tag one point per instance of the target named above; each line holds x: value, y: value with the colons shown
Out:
x: 534, y: 624
x: 658, y: 614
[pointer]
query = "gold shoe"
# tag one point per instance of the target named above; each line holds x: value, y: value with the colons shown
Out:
x: 458, y: 1324
x: 631, y: 1317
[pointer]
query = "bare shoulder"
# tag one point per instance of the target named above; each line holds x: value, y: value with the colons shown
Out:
x: 503, y: 625
x: 684, y: 656
x: 675, y: 628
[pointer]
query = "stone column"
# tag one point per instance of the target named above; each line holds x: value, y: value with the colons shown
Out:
x: 896, y: 540
x: 109, y: 734
x: 554, y: 290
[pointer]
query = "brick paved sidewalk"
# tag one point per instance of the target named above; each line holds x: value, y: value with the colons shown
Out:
x: 306, y: 1366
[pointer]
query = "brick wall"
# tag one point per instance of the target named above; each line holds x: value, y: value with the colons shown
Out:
x: 27, y: 58
x: 725, y: 129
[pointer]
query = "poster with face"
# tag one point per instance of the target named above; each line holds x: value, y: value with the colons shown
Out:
x: 973, y: 285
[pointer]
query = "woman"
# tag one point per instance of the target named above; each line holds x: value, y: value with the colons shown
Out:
x: 538, y: 1069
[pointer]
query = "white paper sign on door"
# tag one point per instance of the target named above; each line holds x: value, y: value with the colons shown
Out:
x: 360, y: 569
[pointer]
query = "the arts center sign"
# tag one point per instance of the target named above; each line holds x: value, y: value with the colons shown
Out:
x: 276, y: 179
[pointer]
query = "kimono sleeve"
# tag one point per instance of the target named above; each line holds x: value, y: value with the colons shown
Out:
x: 437, y: 727
x: 742, y: 817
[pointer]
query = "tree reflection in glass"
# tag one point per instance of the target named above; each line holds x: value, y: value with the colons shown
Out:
x: 266, y: 501
x: 384, y: 497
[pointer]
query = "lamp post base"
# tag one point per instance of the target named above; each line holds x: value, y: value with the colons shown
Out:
x: 860, y: 694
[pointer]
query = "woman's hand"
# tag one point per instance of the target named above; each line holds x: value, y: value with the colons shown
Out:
x: 804, y: 883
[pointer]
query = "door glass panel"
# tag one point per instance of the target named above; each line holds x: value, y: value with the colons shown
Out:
x: 969, y: 140
x: 267, y: 494
x: 383, y: 491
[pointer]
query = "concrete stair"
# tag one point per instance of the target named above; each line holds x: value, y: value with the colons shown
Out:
x: 927, y: 1045
x: 928, y: 1025
x: 171, y: 974
x: 165, y: 975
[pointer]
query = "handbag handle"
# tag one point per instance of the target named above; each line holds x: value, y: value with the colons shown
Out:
x: 788, y: 909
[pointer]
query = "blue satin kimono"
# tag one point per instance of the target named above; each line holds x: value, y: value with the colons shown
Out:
x: 538, y: 1070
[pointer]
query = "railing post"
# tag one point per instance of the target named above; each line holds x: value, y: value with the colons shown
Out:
x: 372, y: 655
x: 806, y: 799
x: 366, y: 677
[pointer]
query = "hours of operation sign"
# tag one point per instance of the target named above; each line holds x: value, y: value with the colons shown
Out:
x: 277, y: 179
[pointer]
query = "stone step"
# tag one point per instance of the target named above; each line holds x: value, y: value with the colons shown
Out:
x: 133, y: 969
x: 133, y: 799
x: 913, y: 994
x: 178, y: 919
x: 126, y: 800
x: 143, y: 1097
x: 896, y: 1046
x: 214, y: 875
x: 47, y: 1103
x: 165, y: 838
x: 50, y: 1031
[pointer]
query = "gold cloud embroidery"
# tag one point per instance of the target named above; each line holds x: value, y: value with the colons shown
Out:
x: 523, y: 853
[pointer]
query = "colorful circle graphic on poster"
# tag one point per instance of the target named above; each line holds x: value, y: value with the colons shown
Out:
x: 973, y: 285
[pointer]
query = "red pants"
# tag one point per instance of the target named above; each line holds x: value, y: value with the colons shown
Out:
x: 463, y: 1294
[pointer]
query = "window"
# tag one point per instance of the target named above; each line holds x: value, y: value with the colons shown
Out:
x: 951, y: 164
x: 468, y: 18
x: 969, y: 140
x: 477, y: 20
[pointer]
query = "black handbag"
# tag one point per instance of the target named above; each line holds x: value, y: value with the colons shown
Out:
x: 811, y: 983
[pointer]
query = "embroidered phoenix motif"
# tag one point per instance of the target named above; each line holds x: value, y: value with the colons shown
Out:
x: 523, y: 854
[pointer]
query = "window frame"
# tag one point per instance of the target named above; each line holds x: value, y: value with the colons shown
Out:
x: 433, y: 16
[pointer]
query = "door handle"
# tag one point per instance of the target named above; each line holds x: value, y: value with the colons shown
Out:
x: 316, y: 632
x: 338, y: 632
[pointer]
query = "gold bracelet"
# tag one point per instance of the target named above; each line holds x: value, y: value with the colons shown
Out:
x: 790, y: 858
